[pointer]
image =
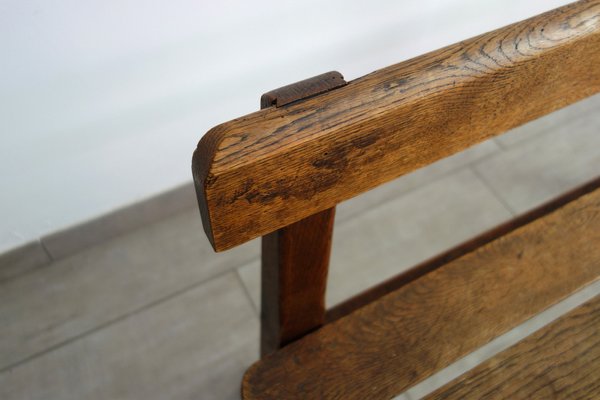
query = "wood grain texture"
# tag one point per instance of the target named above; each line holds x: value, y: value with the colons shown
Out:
x: 386, y: 347
x: 271, y: 168
x: 396, y: 282
x: 560, y: 361
x: 295, y: 258
x: 295, y: 262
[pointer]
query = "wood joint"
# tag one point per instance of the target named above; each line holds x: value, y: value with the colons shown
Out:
x: 295, y: 258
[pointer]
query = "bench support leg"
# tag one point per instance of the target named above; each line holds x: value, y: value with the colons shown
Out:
x: 295, y: 261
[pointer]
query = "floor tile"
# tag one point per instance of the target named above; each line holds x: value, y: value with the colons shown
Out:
x: 544, y: 167
x: 250, y: 275
x: 386, y: 240
x: 194, y: 346
x: 63, y: 243
x: 584, y: 109
x: 140, y: 317
x: 105, y: 282
x: 420, y: 177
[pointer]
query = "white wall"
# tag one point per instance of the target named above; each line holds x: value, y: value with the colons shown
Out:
x: 103, y: 102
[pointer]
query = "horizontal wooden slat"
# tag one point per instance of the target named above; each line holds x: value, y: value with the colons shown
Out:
x: 560, y: 361
x: 395, y: 282
x: 268, y: 169
x: 384, y: 348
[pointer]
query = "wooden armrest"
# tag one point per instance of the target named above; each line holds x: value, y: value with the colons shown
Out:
x: 266, y: 170
x: 384, y: 348
x: 560, y: 361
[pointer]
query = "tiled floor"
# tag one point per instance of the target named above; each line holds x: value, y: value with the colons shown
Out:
x: 155, y: 314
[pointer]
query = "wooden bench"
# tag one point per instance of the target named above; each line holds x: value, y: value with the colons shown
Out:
x: 279, y: 173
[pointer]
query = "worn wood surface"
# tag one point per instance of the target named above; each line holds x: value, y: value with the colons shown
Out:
x: 295, y: 261
x: 295, y: 258
x: 433, y: 263
x: 391, y: 344
x: 560, y: 361
x: 271, y: 168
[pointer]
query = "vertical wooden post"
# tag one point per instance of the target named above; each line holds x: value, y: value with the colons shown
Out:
x: 295, y: 259
x: 295, y: 262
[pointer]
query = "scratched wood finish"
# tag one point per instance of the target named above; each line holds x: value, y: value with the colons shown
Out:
x: 295, y: 262
x: 386, y: 347
x: 453, y: 253
x: 268, y: 169
x: 560, y: 361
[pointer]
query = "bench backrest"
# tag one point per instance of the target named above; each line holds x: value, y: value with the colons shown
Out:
x: 279, y: 172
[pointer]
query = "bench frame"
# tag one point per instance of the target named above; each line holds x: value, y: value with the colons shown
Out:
x: 280, y: 172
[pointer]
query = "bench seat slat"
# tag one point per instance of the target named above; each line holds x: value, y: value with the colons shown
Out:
x: 560, y: 361
x: 384, y: 348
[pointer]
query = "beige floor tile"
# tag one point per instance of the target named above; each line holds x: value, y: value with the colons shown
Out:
x: 398, y: 234
x: 542, y: 168
x: 105, y: 282
x: 585, y: 109
x: 194, y: 346
x: 420, y: 177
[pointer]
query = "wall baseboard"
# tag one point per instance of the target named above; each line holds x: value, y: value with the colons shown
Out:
x: 68, y: 241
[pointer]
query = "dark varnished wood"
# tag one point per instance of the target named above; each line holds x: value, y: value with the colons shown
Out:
x: 302, y: 90
x: 391, y: 344
x: 268, y: 169
x: 560, y: 361
x: 427, y: 266
x: 295, y: 262
x: 295, y: 258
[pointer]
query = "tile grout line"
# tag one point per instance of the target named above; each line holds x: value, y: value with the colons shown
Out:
x: 502, y: 147
x: 118, y: 236
x: 246, y: 290
x: 445, y: 174
x: 162, y: 217
x: 196, y: 284
x: 566, y: 121
x: 111, y: 322
x: 492, y: 190
x: 129, y: 209
x: 253, y: 259
x: 50, y: 258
